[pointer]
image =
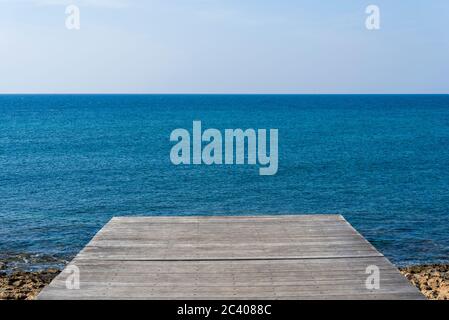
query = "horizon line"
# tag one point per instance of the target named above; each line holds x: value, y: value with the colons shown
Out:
x: 208, y: 93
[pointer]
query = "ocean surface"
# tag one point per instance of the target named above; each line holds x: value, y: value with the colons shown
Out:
x: 68, y: 163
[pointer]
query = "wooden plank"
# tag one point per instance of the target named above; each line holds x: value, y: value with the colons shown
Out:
x: 232, y: 257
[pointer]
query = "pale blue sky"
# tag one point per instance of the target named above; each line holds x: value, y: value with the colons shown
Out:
x: 224, y: 46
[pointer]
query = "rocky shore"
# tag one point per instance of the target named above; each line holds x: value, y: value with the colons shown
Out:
x: 431, y: 280
x: 22, y: 285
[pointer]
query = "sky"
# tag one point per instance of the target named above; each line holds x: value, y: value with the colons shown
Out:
x: 224, y: 46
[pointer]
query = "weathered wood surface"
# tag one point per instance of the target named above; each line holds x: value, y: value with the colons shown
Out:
x: 250, y: 257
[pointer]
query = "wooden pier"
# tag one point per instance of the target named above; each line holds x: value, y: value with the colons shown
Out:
x: 232, y: 257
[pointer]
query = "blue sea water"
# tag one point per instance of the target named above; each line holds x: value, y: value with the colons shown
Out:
x: 68, y: 163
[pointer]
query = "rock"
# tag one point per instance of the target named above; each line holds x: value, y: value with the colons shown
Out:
x: 21, y: 285
x: 432, y: 280
x: 53, y: 271
x: 433, y: 283
x: 17, y: 283
x: 409, y: 276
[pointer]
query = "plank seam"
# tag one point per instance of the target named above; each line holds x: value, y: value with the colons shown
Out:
x: 238, y: 259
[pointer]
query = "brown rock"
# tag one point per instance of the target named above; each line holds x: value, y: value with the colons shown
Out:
x: 434, y: 283
x: 24, y: 285
x: 432, y: 280
x: 17, y: 283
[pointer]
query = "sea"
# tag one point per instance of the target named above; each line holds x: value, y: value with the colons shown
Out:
x: 69, y: 163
